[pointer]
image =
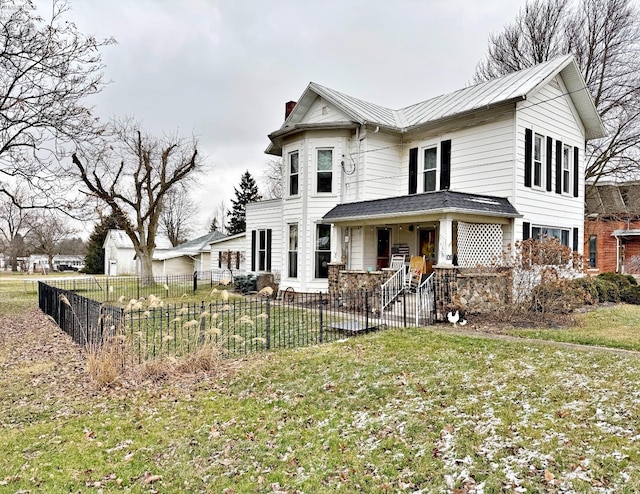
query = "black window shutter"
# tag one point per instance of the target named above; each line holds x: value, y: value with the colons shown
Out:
x: 575, y: 172
x: 253, y: 250
x: 575, y: 239
x: 219, y: 258
x: 558, y: 167
x: 413, y: 170
x: 269, y: 249
x: 445, y: 165
x: 526, y: 230
x: 238, y: 260
x: 528, y: 151
x: 549, y: 163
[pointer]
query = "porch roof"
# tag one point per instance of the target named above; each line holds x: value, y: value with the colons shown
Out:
x: 439, y: 202
x: 632, y: 232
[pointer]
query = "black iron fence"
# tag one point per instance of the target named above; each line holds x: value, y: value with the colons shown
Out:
x: 237, y: 326
x: 125, y: 288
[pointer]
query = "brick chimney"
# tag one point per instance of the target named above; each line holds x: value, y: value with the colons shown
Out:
x: 288, y: 108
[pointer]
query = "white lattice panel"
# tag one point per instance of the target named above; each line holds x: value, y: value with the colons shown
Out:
x: 478, y: 243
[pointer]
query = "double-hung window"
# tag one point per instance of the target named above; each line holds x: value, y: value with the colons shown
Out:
x: 323, y: 250
x: 262, y: 250
x: 543, y: 232
x: 324, y: 182
x: 593, y: 251
x: 293, y: 250
x: 430, y: 167
x: 538, y: 159
x: 294, y: 173
x: 566, y: 169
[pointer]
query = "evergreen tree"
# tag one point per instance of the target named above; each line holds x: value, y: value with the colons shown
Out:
x: 213, y: 227
x: 248, y: 193
x: 94, y: 259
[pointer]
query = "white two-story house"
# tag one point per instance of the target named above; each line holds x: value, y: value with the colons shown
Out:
x: 455, y: 178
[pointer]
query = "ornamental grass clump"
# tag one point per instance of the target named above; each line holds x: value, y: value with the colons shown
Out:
x: 106, y: 361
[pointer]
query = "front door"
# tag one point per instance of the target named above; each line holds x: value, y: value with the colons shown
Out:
x: 427, y: 247
x: 383, y: 248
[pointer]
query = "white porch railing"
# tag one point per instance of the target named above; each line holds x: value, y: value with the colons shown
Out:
x: 425, y: 301
x: 391, y: 288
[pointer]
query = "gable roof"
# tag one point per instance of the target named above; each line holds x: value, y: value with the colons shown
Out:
x: 121, y: 240
x: 228, y: 238
x: 611, y: 200
x: 444, y: 201
x: 192, y: 247
x: 504, y: 90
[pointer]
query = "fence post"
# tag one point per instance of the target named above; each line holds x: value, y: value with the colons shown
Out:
x: 366, y: 310
x: 107, y: 288
x: 268, y: 323
x: 202, y: 323
x: 195, y: 281
x: 404, y: 308
x: 138, y: 286
x: 321, y: 319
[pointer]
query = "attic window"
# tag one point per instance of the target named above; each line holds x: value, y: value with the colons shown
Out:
x: 325, y: 110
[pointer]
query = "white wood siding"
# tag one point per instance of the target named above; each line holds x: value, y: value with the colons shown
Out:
x: 323, y: 112
x: 238, y: 244
x: 265, y: 215
x: 482, y: 158
x: 381, y: 162
x: 550, y: 113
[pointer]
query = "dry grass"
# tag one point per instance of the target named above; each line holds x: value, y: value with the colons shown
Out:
x: 205, y: 359
x: 106, y: 362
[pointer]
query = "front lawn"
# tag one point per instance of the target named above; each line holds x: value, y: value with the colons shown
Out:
x: 616, y: 327
x: 408, y: 410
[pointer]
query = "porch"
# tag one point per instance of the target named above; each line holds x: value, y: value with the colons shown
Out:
x: 471, y: 291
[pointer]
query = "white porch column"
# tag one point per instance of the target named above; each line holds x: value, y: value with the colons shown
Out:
x: 445, y: 242
x: 336, y: 243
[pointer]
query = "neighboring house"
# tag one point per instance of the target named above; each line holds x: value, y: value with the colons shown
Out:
x: 39, y: 263
x: 186, y: 258
x: 228, y: 255
x: 612, y: 228
x: 120, y: 256
x: 455, y: 178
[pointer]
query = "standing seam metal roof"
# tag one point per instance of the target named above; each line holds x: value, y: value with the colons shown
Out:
x: 515, y: 86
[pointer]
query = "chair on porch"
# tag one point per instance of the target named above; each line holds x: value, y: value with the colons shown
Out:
x: 417, y: 267
x: 397, y: 262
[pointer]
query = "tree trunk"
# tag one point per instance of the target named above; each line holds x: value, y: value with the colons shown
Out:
x: 146, y: 268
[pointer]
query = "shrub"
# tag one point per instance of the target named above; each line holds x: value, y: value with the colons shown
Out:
x: 631, y: 295
x: 607, y: 290
x: 246, y: 284
x: 589, y: 290
x: 557, y: 297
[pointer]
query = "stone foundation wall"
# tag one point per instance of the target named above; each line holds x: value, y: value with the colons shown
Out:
x: 342, y: 282
x: 470, y: 290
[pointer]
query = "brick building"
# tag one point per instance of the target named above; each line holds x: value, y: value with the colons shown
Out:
x: 612, y: 228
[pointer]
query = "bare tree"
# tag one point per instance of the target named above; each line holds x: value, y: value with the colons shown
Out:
x: 48, y: 230
x: 48, y: 70
x: 15, y: 222
x: 272, y: 179
x: 604, y: 37
x: 133, y: 176
x: 177, y: 216
x: 216, y: 221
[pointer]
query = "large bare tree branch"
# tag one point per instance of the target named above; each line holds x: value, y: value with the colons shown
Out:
x: 604, y: 37
x: 148, y: 169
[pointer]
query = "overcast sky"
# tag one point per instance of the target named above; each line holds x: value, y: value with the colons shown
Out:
x: 223, y: 69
